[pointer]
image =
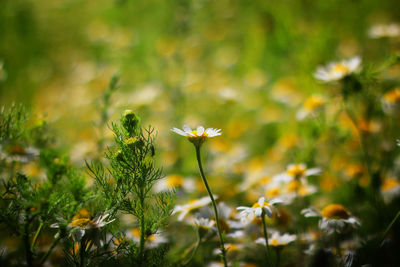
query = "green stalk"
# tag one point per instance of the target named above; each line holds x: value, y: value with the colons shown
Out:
x: 52, y: 246
x: 267, y: 252
x: 193, y: 249
x: 36, y: 236
x: 213, y: 203
x: 142, y: 230
x: 389, y: 227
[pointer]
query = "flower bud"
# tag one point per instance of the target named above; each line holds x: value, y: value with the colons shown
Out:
x: 131, y: 123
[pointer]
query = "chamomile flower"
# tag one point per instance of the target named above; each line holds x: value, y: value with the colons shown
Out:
x: 311, y: 107
x: 334, y: 218
x: 173, y: 181
x: 335, y: 71
x: 296, y: 172
x: 204, y: 223
x: 384, y: 31
x: 80, y: 226
x: 152, y: 241
x: 259, y: 209
x: 199, y: 135
x: 277, y: 240
x: 183, y: 210
x: 390, y: 189
x: 391, y: 101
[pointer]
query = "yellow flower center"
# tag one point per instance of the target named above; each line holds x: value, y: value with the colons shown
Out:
x: 273, y: 192
x: 83, y: 223
x: 294, y: 186
x: 257, y: 205
x: 297, y: 170
x: 313, y: 103
x: 174, y: 180
x: 273, y: 242
x: 392, y: 96
x: 341, y: 68
x: 204, y: 135
x: 334, y: 211
x: 151, y: 238
x: 135, y: 232
x: 389, y: 184
x: 83, y: 213
x: 233, y: 247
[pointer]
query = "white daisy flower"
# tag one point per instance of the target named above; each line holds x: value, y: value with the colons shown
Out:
x: 173, y: 181
x: 183, y: 210
x: 334, y: 218
x: 258, y: 209
x: 384, y: 31
x: 337, y: 70
x: 204, y: 223
x: 296, y: 172
x: 199, y: 135
x: 80, y: 226
x: 391, y: 101
x: 277, y: 240
x: 390, y: 189
x: 311, y: 107
x: 152, y: 241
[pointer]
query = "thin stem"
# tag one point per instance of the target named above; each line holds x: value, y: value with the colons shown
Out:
x: 389, y: 227
x: 142, y: 230
x: 213, y: 203
x: 82, y: 251
x: 267, y: 254
x: 36, y: 236
x: 192, y: 248
x: 29, y: 255
x: 278, y: 256
x: 52, y: 246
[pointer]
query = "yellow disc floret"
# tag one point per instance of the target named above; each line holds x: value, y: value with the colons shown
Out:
x: 335, y: 211
x: 83, y: 223
x: 296, y: 170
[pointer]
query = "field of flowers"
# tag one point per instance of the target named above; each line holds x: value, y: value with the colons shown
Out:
x: 200, y: 133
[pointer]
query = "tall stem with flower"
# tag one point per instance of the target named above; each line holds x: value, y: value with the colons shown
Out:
x: 198, y: 137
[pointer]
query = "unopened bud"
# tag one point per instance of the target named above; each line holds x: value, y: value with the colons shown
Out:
x: 130, y: 122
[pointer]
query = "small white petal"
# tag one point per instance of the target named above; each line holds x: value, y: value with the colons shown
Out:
x: 187, y: 129
x: 261, y: 201
x: 258, y: 212
x: 200, y: 130
x: 178, y: 131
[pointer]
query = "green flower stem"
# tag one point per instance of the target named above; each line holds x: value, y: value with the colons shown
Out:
x: 193, y: 249
x: 36, y: 236
x: 266, y: 239
x: 389, y: 227
x: 278, y: 256
x: 142, y: 230
x: 52, y: 246
x: 213, y: 203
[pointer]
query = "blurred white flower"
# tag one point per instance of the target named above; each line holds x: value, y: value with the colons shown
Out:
x: 277, y: 240
x: 175, y: 181
x: 296, y: 172
x: 390, y: 189
x: 152, y: 241
x: 334, y: 218
x: 183, y: 210
x: 259, y: 208
x: 311, y: 107
x: 337, y: 70
x: 384, y: 30
x: 391, y: 101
